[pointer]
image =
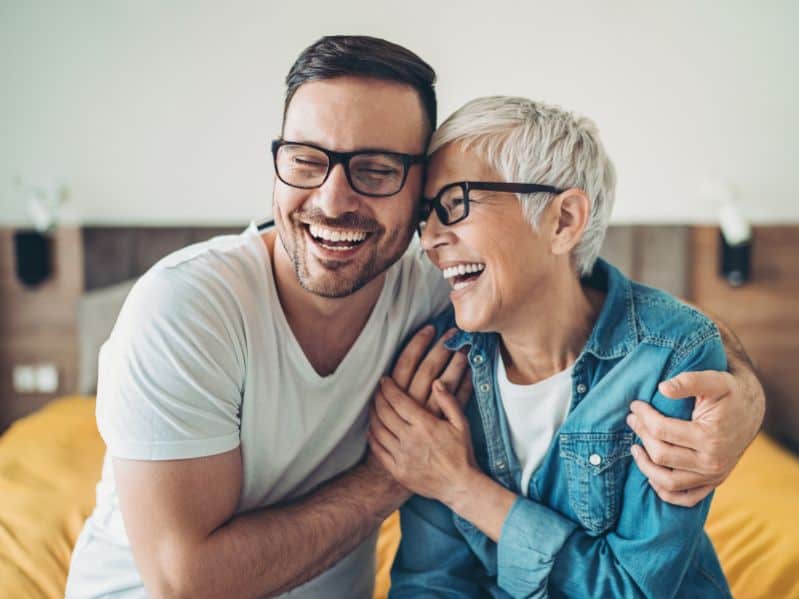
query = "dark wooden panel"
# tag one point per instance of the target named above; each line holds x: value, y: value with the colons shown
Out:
x: 763, y: 313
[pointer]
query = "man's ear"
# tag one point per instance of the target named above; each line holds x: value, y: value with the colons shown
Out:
x: 571, y: 211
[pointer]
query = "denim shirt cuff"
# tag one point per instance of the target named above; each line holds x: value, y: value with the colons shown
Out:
x: 531, y: 537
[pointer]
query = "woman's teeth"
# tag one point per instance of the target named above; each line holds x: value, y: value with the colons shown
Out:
x: 463, y: 274
x: 462, y: 269
x: 336, y: 239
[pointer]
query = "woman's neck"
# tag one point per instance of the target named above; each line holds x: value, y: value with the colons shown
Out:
x: 548, y: 333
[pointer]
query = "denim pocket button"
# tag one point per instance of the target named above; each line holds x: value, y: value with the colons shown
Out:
x: 596, y: 467
x: 485, y: 387
x: 581, y: 388
x: 478, y: 359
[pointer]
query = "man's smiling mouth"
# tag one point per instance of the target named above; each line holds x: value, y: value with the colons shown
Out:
x: 336, y: 240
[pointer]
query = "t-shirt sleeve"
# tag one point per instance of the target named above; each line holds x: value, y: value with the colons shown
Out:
x: 171, y: 374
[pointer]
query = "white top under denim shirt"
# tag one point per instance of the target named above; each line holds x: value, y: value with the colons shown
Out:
x: 591, y: 525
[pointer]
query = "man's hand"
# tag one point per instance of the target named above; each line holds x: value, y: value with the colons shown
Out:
x: 417, y: 368
x: 686, y: 459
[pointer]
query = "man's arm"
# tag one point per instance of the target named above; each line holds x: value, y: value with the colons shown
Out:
x: 685, y: 461
x: 187, y: 543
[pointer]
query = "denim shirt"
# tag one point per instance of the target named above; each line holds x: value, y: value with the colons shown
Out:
x: 591, y: 525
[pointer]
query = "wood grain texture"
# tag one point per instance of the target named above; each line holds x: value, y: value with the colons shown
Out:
x: 764, y: 313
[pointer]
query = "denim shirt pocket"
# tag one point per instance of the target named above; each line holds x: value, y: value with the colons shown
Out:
x: 596, y: 466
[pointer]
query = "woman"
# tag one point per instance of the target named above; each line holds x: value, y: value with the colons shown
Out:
x: 533, y: 491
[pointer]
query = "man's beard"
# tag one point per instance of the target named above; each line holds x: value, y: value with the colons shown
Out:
x: 331, y: 284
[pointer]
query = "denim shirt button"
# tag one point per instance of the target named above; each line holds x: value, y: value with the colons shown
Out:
x: 485, y: 387
x: 595, y: 459
x: 581, y: 388
x: 478, y: 359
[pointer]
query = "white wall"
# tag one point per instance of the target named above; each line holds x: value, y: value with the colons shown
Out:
x: 160, y: 112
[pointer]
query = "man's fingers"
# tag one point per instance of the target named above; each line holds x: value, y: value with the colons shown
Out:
x: 684, y: 498
x: 379, y: 431
x: 464, y: 392
x: 664, y: 478
x: 454, y: 372
x: 381, y: 453
x: 648, y: 421
x: 449, y: 406
x: 411, y: 355
x: 388, y: 415
x: 707, y: 383
x: 406, y: 407
x: 430, y: 368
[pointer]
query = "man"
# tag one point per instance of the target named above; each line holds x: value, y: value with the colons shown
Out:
x: 233, y: 392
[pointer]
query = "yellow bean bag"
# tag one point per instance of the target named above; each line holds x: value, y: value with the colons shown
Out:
x: 50, y: 463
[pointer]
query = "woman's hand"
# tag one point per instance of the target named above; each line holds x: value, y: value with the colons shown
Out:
x: 428, y: 455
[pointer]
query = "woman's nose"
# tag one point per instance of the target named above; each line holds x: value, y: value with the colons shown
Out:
x: 434, y: 234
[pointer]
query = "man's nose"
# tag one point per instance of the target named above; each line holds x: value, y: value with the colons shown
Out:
x: 336, y: 196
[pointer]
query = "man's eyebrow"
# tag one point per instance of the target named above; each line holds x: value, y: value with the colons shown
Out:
x: 379, y: 149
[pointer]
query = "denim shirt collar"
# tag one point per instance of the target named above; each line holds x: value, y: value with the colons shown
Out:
x: 615, y: 332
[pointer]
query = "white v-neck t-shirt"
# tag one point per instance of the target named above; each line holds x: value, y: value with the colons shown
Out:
x: 202, y: 360
x: 534, y: 412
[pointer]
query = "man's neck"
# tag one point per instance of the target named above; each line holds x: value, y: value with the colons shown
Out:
x: 325, y: 328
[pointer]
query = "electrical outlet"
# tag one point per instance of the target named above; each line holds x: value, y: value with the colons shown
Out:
x: 35, y: 378
x: 24, y: 376
x: 46, y: 378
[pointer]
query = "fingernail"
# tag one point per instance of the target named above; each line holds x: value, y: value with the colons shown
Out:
x: 428, y: 329
x: 635, y: 450
x: 449, y: 334
x: 631, y: 420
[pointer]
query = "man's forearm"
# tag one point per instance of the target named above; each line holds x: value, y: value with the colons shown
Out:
x: 270, y: 551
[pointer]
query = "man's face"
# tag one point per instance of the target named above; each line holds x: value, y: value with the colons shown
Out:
x: 337, y: 239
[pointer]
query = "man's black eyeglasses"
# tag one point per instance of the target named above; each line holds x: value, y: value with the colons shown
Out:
x: 375, y: 173
x: 452, y: 201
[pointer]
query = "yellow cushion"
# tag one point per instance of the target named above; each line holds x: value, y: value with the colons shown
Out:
x: 754, y: 522
x: 49, y: 465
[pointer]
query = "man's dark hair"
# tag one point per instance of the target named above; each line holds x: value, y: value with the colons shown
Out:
x: 364, y: 56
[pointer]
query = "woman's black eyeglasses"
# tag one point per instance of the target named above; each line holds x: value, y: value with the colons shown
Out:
x: 451, y: 203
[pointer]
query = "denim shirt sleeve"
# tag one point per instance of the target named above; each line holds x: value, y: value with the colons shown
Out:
x: 433, y: 559
x: 648, y: 552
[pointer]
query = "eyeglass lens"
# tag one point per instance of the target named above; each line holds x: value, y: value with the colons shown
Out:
x: 370, y: 173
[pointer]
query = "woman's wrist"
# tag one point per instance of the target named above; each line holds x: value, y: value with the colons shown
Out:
x: 482, y: 501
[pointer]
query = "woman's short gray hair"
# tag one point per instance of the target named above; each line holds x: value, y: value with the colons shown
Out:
x: 531, y: 142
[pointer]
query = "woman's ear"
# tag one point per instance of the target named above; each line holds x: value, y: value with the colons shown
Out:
x: 571, y: 211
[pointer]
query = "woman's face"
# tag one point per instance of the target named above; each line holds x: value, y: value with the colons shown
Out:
x: 512, y: 261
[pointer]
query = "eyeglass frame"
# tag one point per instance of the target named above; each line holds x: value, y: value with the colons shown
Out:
x: 343, y: 158
x: 434, y: 203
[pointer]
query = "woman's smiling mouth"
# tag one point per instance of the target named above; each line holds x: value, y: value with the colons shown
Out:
x: 462, y: 275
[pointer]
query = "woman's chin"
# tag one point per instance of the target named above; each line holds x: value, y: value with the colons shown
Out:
x: 467, y: 320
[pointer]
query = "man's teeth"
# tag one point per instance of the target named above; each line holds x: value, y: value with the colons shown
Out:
x: 326, y: 234
x: 462, y: 269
